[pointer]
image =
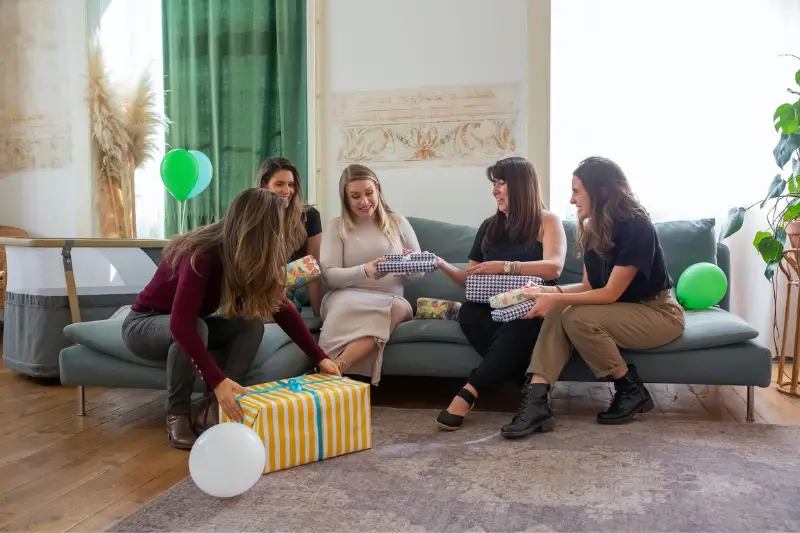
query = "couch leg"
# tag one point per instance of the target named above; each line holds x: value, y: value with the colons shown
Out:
x: 81, y: 401
x: 751, y: 410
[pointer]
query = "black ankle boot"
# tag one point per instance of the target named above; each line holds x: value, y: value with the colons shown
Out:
x: 630, y: 399
x: 448, y: 420
x: 534, y: 413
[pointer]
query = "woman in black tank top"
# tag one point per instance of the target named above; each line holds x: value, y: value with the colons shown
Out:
x: 522, y: 238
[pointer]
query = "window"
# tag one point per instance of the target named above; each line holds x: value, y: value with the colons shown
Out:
x: 681, y: 94
x: 130, y: 36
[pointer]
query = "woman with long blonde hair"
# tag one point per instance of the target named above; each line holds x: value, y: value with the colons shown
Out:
x: 624, y: 302
x: 363, y: 306
x: 303, y: 222
x: 237, y: 266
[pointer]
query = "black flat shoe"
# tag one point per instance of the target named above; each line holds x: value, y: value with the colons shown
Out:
x: 448, y: 420
x: 534, y: 413
x: 630, y: 399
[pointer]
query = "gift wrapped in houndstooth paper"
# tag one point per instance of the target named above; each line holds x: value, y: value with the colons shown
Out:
x: 481, y: 287
x: 407, y: 263
x: 413, y: 256
x: 515, y: 312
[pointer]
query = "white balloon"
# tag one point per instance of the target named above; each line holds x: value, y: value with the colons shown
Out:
x: 227, y: 460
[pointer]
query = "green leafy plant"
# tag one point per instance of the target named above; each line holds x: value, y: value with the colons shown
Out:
x: 784, y: 190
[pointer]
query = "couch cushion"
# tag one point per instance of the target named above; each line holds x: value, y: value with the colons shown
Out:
x: 105, y: 336
x: 709, y: 328
x: 421, y: 330
x: 451, y: 242
x: 706, y: 328
x: 685, y: 243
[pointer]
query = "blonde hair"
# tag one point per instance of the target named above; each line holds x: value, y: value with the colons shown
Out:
x: 384, y: 218
x: 295, y: 218
x: 253, y: 250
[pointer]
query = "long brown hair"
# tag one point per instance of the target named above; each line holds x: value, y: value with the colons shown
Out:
x: 523, y: 222
x: 295, y: 219
x: 250, y: 243
x: 612, y: 201
x: 383, y: 213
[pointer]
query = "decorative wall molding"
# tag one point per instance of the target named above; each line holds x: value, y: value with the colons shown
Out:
x: 28, y: 153
x: 35, y: 104
x: 459, y: 125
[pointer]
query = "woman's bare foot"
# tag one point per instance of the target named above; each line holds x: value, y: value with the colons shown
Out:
x: 458, y: 407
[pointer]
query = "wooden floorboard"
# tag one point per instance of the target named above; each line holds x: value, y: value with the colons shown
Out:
x: 63, y: 472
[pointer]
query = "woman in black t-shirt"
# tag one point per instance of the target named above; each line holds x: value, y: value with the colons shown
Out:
x: 520, y: 238
x: 280, y: 176
x: 624, y: 301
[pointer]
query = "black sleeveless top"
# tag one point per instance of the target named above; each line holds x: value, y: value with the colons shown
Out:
x: 505, y: 250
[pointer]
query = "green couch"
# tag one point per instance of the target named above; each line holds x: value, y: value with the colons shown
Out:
x: 717, y: 348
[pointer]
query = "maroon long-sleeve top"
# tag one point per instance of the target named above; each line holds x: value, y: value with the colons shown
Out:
x: 196, y: 292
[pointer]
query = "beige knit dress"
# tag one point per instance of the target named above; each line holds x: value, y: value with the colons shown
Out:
x: 357, y: 306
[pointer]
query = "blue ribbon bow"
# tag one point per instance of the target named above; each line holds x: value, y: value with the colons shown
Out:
x: 296, y: 385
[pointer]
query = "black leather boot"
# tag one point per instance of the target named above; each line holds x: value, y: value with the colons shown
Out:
x: 534, y: 413
x: 448, y: 420
x: 630, y: 399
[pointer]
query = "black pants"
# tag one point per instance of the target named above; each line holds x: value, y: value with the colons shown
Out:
x: 147, y: 335
x: 506, y: 347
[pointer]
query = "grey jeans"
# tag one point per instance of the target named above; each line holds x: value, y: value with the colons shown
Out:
x: 235, y: 341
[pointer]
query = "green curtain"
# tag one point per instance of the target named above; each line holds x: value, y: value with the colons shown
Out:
x: 235, y: 89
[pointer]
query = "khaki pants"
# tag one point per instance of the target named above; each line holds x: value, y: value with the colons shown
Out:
x: 597, y: 332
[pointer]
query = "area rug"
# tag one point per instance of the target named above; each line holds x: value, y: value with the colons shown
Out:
x: 652, y: 475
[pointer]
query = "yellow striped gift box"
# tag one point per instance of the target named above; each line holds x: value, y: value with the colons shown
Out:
x: 308, y: 418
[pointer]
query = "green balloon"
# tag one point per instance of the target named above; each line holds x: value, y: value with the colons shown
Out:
x: 701, y: 286
x: 179, y: 172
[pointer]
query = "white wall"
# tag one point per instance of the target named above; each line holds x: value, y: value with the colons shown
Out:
x: 53, y: 202
x: 384, y: 45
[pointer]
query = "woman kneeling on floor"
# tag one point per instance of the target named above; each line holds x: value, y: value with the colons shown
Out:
x: 238, y: 264
x: 520, y: 238
x: 624, y: 301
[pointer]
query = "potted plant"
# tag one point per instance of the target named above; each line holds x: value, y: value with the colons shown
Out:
x: 783, y: 218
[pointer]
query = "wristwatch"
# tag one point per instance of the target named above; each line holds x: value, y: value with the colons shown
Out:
x: 507, y: 267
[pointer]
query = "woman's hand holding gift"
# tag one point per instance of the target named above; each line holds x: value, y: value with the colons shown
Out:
x: 371, y: 269
x: 532, y: 291
x: 545, y: 302
x: 226, y: 393
x: 326, y: 366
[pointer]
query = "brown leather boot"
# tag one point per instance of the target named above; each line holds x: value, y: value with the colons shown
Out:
x: 181, y: 434
x: 206, y: 415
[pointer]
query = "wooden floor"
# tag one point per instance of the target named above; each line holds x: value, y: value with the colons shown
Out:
x: 62, y: 472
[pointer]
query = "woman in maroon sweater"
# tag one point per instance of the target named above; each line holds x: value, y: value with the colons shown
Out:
x: 237, y: 264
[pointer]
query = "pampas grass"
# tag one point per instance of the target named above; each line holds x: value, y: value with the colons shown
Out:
x: 123, y: 128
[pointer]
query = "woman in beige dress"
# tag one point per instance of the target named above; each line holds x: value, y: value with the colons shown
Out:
x: 363, y: 306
